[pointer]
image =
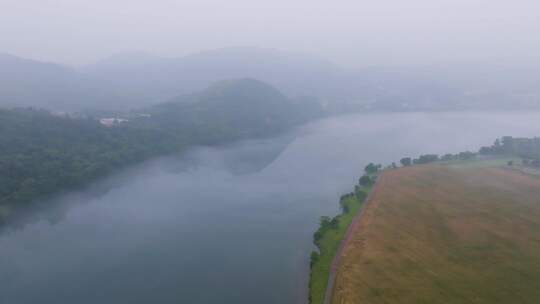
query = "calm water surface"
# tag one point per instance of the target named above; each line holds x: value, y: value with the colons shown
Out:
x: 226, y: 225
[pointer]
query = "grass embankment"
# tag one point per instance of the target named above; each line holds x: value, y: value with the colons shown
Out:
x: 328, y: 239
x: 445, y: 234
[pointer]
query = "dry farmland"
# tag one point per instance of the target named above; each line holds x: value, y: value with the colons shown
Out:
x: 442, y: 234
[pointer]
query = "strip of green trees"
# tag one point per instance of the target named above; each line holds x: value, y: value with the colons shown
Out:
x: 331, y: 232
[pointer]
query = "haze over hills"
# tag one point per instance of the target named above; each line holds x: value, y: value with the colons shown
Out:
x: 195, y: 152
x: 26, y: 83
x: 245, y: 107
x: 159, y: 78
x: 43, y: 154
x: 126, y: 81
x: 134, y: 80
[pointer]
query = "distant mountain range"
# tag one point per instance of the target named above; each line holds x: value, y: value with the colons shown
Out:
x: 127, y: 81
x: 32, y: 83
x: 150, y: 78
x: 134, y: 80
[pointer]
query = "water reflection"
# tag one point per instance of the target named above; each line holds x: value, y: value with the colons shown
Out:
x: 245, y: 157
x: 228, y: 225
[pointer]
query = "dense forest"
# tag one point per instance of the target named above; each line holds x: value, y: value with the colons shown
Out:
x: 42, y: 154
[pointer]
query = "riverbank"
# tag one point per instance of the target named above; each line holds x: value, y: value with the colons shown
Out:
x: 330, y: 240
x: 444, y: 233
x: 257, y: 231
x: 45, y: 155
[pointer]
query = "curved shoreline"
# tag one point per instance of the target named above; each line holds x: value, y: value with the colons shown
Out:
x: 348, y: 236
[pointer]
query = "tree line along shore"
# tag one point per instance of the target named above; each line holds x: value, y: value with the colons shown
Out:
x: 332, y: 230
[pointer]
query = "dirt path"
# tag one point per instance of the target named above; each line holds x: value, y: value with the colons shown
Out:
x: 344, y: 242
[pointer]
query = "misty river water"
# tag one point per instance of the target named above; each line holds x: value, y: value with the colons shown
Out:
x: 221, y: 225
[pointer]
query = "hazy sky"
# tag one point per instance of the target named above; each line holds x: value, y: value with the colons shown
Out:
x: 354, y: 32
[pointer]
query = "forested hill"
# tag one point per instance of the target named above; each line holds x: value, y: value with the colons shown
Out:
x: 231, y: 108
x: 42, y: 154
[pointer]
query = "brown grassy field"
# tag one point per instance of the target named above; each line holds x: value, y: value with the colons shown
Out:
x: 441, y: 234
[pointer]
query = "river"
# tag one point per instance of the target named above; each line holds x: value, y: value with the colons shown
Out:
x: 220, y: 225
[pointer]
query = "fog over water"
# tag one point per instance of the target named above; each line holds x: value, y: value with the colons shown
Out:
x: 223, y: 225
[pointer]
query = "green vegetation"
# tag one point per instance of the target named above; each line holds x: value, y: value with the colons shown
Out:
x: 371, y: 168
x: 332, y: 231
x: 528, y: 149
x: 370, y: 176
x: 514, y: 151
x: 328, y: 239
x: 42, y: 155
x: 405, y: 161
